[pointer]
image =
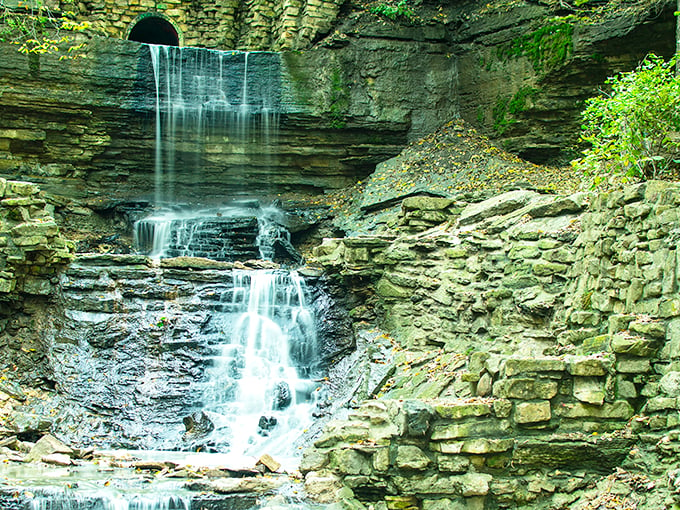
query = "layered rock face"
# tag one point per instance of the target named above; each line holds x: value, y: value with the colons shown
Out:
x: 130, y: 344
x: 525, y: 73
x: 541, y: 344
x: 87, y: 126
x: 85, y: 129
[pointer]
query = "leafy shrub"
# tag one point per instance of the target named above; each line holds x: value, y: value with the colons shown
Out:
x: 401, y: 10
x: 634, y: 130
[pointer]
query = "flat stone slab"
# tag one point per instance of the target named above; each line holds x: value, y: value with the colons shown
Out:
x: 496, y: 206
x: 258, y: 485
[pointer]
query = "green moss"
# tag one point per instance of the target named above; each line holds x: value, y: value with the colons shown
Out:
x: 506, y: 106
x: 296, y: 67
x: 338, y: 101
x: 547, y: 48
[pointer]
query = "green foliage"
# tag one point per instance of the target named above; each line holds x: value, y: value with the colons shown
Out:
x: 634, y: 130
x: 547, y: 48
x: 510, y: 106
x: 36, y: 30
x: 401, y: 10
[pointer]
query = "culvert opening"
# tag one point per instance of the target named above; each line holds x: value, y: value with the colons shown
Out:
x: 154, y: 30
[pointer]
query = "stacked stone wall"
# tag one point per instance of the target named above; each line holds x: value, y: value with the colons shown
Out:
x: 224, y: 25
x: 31, y: 248
x: 497, y: 283
x: 551, y: 427
x: 546, y: 340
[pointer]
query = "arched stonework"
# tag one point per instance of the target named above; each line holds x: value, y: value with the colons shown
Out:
x: 154, y: 28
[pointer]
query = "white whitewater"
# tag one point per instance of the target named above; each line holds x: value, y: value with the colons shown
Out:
x: 120, y: 501
x: 260, y: 391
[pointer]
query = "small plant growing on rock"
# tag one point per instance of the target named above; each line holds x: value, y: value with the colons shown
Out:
x: 391, y: 12
x: 634, y: 130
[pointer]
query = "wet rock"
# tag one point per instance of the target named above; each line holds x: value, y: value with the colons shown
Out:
x: 282, y: 397
x: 58, y: 459
x: 195, y: 263
x: 198, y: 425
x: 47, y: 445
x: 154, y: 465
x: 266, y: 424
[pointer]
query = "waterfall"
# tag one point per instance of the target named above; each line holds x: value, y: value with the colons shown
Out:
x: 76, y: 501
x: 260, y: 389
x: 208, y: 100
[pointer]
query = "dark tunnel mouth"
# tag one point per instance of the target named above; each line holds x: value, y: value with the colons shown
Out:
x: 154, y: 29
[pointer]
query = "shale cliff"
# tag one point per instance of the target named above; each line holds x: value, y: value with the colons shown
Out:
x: 352, y: 95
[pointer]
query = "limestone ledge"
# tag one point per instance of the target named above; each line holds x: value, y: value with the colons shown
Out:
x: 31, y: 247
x: 468, y: 451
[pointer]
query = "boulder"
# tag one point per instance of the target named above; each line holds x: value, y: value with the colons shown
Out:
x: 269, y: 463
x: 266, y: 424
x: 46, y: 446
x: 282, y: 397
x: 198, y: 425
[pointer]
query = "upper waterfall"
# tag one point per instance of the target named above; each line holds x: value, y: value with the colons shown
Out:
x: 210, y: 104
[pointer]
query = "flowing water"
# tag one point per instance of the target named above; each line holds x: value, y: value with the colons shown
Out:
x: 261, y: 388
x: 261, y: 384
x: 212, y: 101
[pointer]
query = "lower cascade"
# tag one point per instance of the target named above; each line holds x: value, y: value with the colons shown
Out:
x: 241, y: 231
x: 260, y: 389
